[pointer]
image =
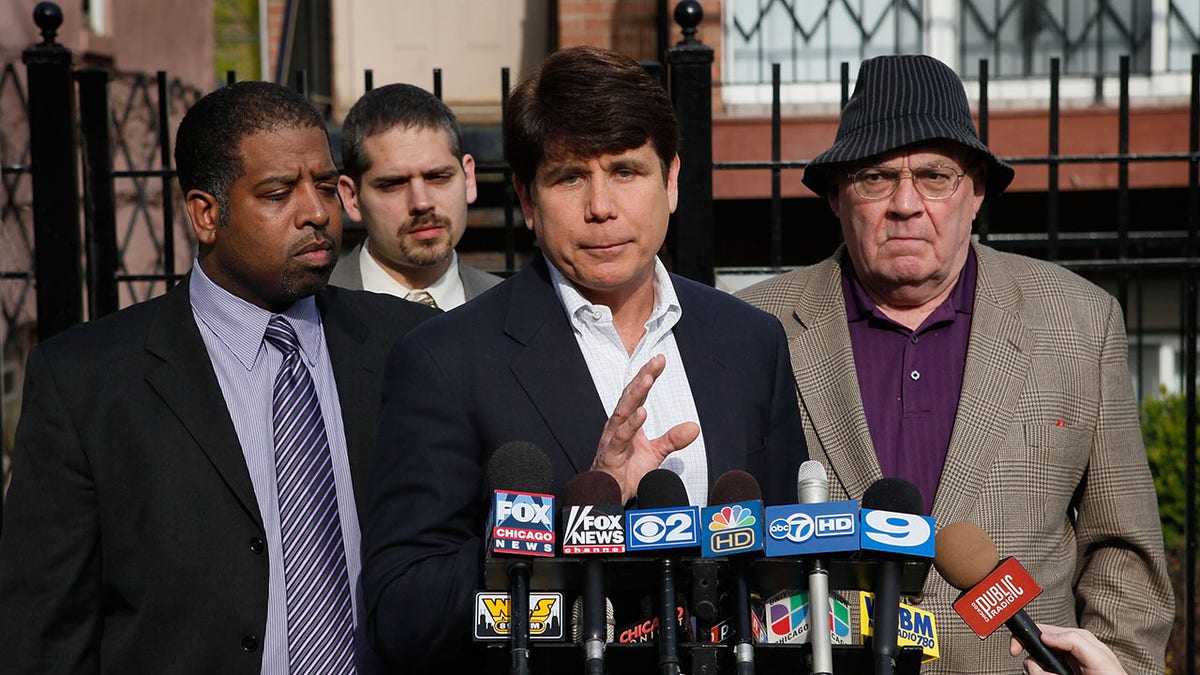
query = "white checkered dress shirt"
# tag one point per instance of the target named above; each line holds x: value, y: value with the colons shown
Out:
x: 670, y: 401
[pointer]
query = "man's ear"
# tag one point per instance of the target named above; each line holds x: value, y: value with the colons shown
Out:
x: 468, y: 165
x: 348, y: 191
x: 525, y: 194
x: 205, y: 214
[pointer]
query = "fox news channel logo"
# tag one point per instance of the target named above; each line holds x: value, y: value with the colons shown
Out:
x: 493, y: 616
x: 648, y: 529
x: 524, y: 523
x: 592, y: 530
x: 907, y: 534
x: 732, y: 528
x: 807, y: 529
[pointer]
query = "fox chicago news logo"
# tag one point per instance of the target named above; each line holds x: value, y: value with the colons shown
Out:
x: 593, y: 529
x: 523, y: 524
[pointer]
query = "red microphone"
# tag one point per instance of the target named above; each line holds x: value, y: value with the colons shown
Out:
x: 994, y: 591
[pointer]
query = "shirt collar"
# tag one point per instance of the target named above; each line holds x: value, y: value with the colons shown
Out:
x: 240, y: 325
x: 666, y: 303
x: 376, y: 278
x: 860, y: 306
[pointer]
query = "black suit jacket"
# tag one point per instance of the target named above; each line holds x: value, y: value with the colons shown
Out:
x: 506, y: 367
x: 132, y: 540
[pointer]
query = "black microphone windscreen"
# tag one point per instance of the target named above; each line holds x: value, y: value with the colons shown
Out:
x: 520, y: 466
x: 594, y: 488
x: 734, y: 486
x: 894, y: 494
x: 661, y: 489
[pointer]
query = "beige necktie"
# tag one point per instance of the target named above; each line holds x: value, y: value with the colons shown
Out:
x: 422, y: 297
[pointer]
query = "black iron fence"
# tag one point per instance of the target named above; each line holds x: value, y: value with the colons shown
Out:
x: 134, y: 242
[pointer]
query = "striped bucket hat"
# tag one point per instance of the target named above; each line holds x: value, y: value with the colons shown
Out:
x: 898, y: 101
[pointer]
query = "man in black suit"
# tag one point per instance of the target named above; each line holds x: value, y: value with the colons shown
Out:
x: 594, y: 352
x: 145, y: 531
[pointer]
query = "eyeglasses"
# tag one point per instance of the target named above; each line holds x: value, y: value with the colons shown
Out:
x: 931, y: 182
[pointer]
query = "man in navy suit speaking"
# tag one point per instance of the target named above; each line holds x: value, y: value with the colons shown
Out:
x: 594, y: 352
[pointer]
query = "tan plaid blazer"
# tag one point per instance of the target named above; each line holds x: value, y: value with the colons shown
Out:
x: 1074, y: 502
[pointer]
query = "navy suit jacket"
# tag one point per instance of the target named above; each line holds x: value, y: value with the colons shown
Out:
x: 506, y: 367
x: 132, y: 539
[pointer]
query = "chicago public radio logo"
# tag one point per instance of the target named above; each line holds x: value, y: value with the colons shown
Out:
x: 592, y: 530
x: 524, y: 523
x: 493, y: 616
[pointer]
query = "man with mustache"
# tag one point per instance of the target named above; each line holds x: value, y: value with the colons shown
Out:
x: 408, y: 181
x: 188, y: 473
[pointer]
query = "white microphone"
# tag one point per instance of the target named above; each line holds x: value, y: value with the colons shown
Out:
x: 812, y: 487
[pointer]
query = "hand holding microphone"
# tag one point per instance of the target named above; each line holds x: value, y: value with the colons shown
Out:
x: 1081, y: 648
x: 994, y: 591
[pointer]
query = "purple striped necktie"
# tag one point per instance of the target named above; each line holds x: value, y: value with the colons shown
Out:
x: 320, y: 624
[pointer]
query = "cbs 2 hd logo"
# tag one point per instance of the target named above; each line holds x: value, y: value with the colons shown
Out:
x: 662, y: 528
x: 890, y: 532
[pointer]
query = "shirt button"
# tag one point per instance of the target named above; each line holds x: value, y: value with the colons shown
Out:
x: 257, y: 546
x: 249, y: 643
x: 914, y: 339
x: 915, y: 375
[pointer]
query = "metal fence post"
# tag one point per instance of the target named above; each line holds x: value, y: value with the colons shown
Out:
x: 690, y: 64
x: 55, y: 177
x: 100, y: 209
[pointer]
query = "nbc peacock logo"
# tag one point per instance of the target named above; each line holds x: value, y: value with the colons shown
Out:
x: 731, y: 530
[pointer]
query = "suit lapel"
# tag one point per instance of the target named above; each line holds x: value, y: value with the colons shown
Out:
x: 998, y: 362
x: 188, y: 386
x: 700, y: 341
x: 823, y: 364
x: 346, y: 338
x: 551, y: 368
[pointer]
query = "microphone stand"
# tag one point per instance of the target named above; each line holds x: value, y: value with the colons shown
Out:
x: 595, y: 629
x: 743, y: 646
x: 668, y: 652
x: 518, y: 598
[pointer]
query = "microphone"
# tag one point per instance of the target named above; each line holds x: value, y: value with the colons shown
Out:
x: 734, y: 525
x: 812, y: 487
x: 993, y: 591
x: 664, y: 521
x: 521, y: 524
x: 592, y: 509
x: 891, y: 526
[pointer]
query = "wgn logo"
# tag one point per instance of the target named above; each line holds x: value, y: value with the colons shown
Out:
x: 732, y: 528
x: 904, y: 533
x: 524, y: 524
x: 662, y: 528
x: 804, y: 529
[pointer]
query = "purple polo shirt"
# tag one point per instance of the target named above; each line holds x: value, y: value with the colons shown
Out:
x: 911, y: 379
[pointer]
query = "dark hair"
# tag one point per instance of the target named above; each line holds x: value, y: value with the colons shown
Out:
x: 395, y: 105
x: 208, y: 144
x: 584, y: 102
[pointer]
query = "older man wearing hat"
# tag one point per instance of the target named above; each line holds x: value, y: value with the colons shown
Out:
x: 998, y: 384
